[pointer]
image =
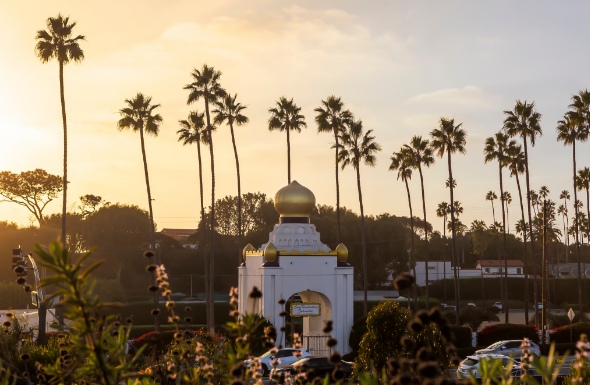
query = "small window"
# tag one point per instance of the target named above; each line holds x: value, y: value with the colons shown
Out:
x: 487, y: 269
x: 519, y: 271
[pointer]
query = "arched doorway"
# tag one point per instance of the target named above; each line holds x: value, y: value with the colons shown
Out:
x: 313, y: 337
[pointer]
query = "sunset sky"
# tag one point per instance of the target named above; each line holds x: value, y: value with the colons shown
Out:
x: 398, y: 65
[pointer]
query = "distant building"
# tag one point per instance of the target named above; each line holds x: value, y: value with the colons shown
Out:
x: 492, y: 268
x: 181, y: 235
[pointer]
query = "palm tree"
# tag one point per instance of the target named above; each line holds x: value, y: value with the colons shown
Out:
x: 507, y: 197
x: 403, y: 162
x: 442, y: 211
x: 581, y: 106
x: 193, y: 130
x: 524, y: 121
x: 491, y: 196
x: 569, y: 130
x: 228, y: 110
x: 448, y: 183
x: 359, y: 147
x: 495, y: 149
x: 450, y: 138
x: 583, y: 183
x: 58, y: 43
x: 565, y: 195
x: 421, y: 154
x: 206, y: 85
x: 331, y: 117
x: 139, y: 116
x: 286, y: 116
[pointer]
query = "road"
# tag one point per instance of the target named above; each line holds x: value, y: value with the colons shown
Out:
x: 570, y: 270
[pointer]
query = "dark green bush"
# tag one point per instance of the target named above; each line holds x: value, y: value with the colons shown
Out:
x: 501, y: 332
x: 562, y: 334
x: 494, y: 309
x: 474, y: 317
x: 463, y: 337
x: 356, y: 334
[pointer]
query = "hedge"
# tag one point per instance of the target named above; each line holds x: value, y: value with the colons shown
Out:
x: 562, y: 335
x: 139, y: 330
x: 140, y: 312
x: 502, y: 332
x: 463, y: 336
x: 162, y: 339
x: 356, y: 333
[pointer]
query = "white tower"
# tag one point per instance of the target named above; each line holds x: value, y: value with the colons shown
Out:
x: 294, y: 260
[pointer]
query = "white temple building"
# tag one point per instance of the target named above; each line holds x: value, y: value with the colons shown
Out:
x: 295, y: 261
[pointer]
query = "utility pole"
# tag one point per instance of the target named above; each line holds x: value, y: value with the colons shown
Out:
x: 543, y: 279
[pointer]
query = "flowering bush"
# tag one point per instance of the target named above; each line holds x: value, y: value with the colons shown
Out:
x: 562, y: 334
x: 501, y: 332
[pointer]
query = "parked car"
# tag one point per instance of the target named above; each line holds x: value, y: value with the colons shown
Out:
x: 509, y: 348
x: 285, y: 357
x: 471, y: 304
x: 472, y: 363
x: 448, y: 307
x: 498, y: 305
x: 319, y: 367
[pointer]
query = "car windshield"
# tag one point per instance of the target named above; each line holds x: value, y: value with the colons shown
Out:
x: 496, y: 345
x: 469, y: 362
x: 267, y: 354
x: 301, y: 361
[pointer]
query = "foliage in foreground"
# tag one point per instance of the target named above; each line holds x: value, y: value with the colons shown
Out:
x: 94, y: 350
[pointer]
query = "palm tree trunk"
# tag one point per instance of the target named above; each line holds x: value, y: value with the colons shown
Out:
x: 337, y: 191
x: 233, y: 140
x: 203, y: 228
x: 412, y: 255
x: 212, y: 239
x: 526, y: 272
x: 493, y: 212
x: 65, y: 180
x: 425, y: 235
x: 580, y: 296
x: 149, y: 193
x: 365, y: 264
x: 445, y: 255
x: 528, y: 198
x: 288, y: 156
x: 453, y: 248
x: 504, y: 234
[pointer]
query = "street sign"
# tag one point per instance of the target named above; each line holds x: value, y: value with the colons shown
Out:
x: 571, y: 314
x: 306, y: 309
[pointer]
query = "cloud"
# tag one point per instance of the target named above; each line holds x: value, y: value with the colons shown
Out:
x: 469, y: 96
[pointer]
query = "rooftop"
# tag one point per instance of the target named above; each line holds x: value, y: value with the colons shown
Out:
x: 498, y: 263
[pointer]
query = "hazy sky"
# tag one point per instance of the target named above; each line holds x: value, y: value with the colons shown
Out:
x: 398, y: 65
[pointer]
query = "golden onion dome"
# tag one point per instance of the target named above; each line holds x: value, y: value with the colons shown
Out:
x: 342, y: 253
x: 270, y: 253
x: 247, y: 249
x: 294, y: 200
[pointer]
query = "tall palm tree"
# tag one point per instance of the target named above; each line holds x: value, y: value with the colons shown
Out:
x: 359, y: 147
x: 583, y: 183
x: 193, y: 130
x: 286, y: 116
x: 442, y: 211
x: 57, y: 42
x: 491, y: 196
x: 230, y: 111
x: 403, y: 162
x: 507, y: 197
x: 581, y: 106
x: 331, y: 117
x: 450, y: 138
x: 569, y: 130
x: 139, y: 116
x: 495, y: 149
x: 562, y: 210
x: 422, y: 155
x: 565, y: 195
x: 206, y: 86
x: 524, y: 121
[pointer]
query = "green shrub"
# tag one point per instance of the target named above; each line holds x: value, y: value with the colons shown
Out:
x: 562, y: 334
x: 474, y: 317
x: 139, y: 330
x: 463, y: 336
x: 494, y: 309
x: 109, y: 290
x: 12, y: 296
x: 356, y: 334
x: 501, y: 332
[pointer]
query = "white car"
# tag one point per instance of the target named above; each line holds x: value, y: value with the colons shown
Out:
x: 284, y: 357
x: 471, y: 304
x: 510, y: 348
x: 472, y: 364
x: 498, y: 305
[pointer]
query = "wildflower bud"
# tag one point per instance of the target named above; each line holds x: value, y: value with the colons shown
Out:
x: 7, y: 324
x: 423, y: 316
x: 187, y: 309
x: 404, y: 281
x: 455, y: 361
x: 408, y: 342
x: 237, y: 382
x: 328, y: 328
x: 9, y: 315
x: 27, y: 288
x: 415, y: 326
x: 423, y: 354
x: 21, y: 280
x: 283, y: 314
x: 331, y: 342
x: 402, y: 379
x: 309, y: 374
x: 270, y: 332
x: 151, y: 268
x: 255, y: 293
x: 282, y: 302
x: 338, y: 374
x: 129, y: 321
x: 393, y: 366
x: 155, y: 311
x: 148, y: 254
x: 25, y: 357
x: 238, y: 370
x: 115, y: 333
x: 188, y: 320
x: 19, y: 270
x: 282, y: 328
x: 335, y: 358
x: 153, y: 288
x: 63, y: 352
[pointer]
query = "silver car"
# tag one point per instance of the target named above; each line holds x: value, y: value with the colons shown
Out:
x: 472, y: 365
x: 509, y: 348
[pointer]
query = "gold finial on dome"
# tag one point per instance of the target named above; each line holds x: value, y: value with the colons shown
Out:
x: 342, y: 253
x: 248, y: 248
x: 294, y: 200
x: 270, y: 253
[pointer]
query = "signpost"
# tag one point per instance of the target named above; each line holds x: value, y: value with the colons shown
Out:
x: 571, y: 315
x: 306, y: 309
